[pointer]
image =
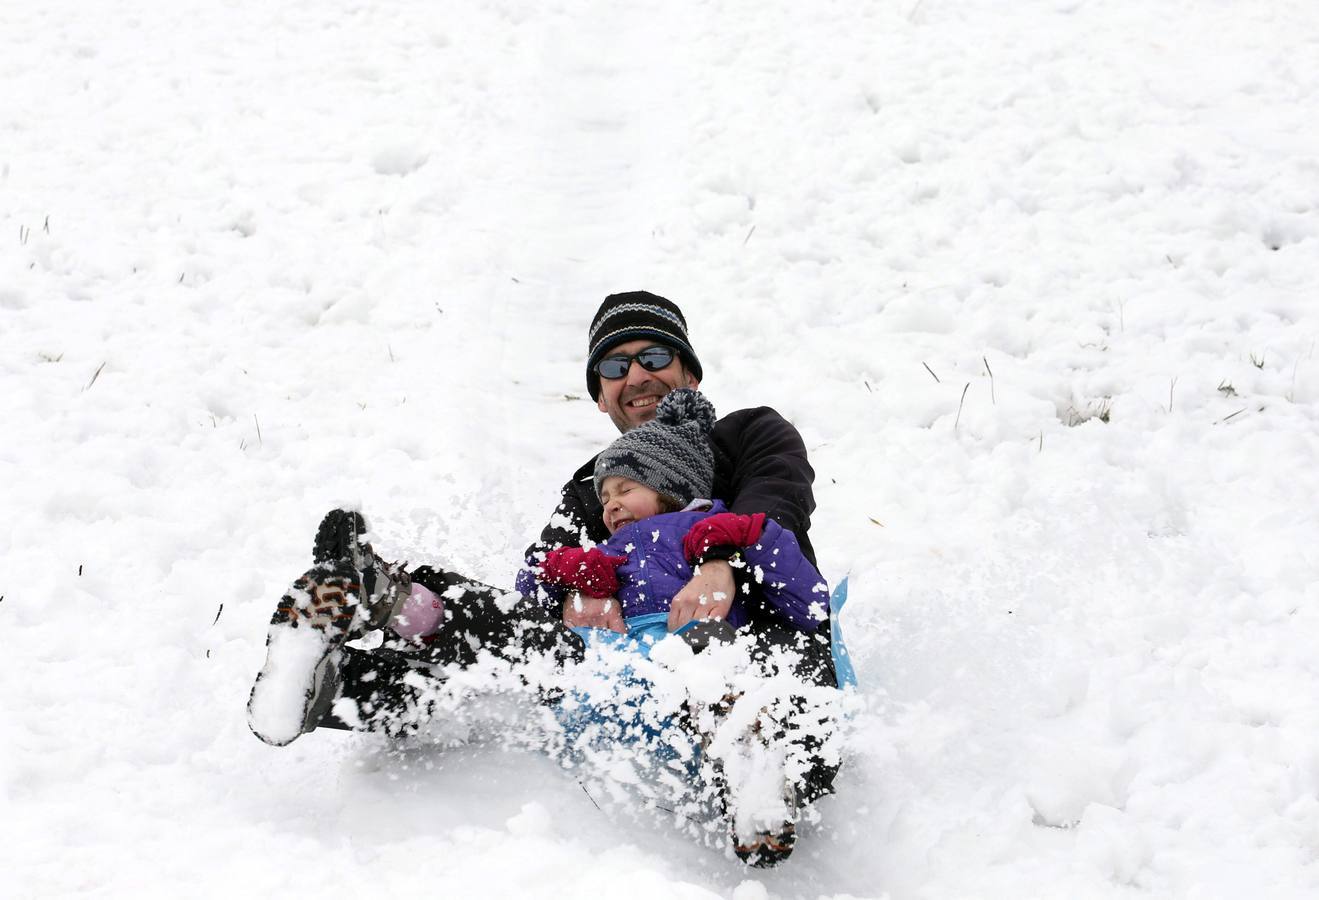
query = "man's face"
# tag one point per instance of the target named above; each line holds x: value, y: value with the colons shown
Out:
x: 625, y: 500
x: 631, y: 400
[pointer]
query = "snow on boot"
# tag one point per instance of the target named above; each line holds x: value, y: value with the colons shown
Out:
x: 746, y: 764
x: 761, y: 805
x: 340, y: 597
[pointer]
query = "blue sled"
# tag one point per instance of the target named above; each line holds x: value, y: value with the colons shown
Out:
x: 842, y: 661
x: 645, y: 631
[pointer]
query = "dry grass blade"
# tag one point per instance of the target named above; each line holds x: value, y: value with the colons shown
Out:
x: 95, y: 375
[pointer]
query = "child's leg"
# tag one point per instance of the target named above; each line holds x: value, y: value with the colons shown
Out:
x: 810, y: 658
x: 805, y: 723
x: 767, y: 745
x: 476, y: 618
x: 349, y: 591
x: 382, y: 698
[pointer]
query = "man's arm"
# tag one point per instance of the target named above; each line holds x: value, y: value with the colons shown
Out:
x: 792, y: 586
x: 564, y: 529
x: 709, y: 595
x: 763, y: 468
x: 577, y: 517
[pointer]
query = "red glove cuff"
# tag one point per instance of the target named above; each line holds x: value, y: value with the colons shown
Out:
x: 592, y: 572
x: 722, y: 530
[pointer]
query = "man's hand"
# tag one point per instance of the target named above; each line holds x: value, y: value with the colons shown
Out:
x: 591, y: 612
x: 709, y: 595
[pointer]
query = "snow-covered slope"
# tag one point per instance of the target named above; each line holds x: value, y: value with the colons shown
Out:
x: 1038, y: 282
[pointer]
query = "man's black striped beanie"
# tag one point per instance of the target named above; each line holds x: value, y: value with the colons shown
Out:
x: 636, y: 315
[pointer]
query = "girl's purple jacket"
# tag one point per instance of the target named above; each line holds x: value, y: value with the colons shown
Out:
x: 657, y: 568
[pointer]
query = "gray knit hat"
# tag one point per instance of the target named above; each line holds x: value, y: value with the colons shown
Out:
x: 671, y: 453
x: 632, y: 316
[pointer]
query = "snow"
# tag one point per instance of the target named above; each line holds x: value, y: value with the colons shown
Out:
x: 277, y: 708
x: 1037, y: 281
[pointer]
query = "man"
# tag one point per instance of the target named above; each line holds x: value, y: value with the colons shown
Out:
x: 638, y: 351
x: 760, y: 460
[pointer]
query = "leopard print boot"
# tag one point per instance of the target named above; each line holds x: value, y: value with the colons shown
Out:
x: 347, y: 592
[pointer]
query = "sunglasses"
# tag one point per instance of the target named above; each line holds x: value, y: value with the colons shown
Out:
x: 652, y: 359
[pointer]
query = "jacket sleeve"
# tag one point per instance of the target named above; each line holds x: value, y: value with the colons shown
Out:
x: 531, y: 586
x: 792, y: 586
x: 768, y: 471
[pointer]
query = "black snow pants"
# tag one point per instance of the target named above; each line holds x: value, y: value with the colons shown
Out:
x: 475, y: 620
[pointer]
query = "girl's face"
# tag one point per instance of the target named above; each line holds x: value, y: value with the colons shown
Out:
x: 627, y: 501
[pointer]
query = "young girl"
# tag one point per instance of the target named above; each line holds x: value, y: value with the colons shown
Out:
x: 654, y: 483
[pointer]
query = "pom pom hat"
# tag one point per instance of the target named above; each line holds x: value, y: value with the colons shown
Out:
x: 671, y: 453
x: 636, y: 315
